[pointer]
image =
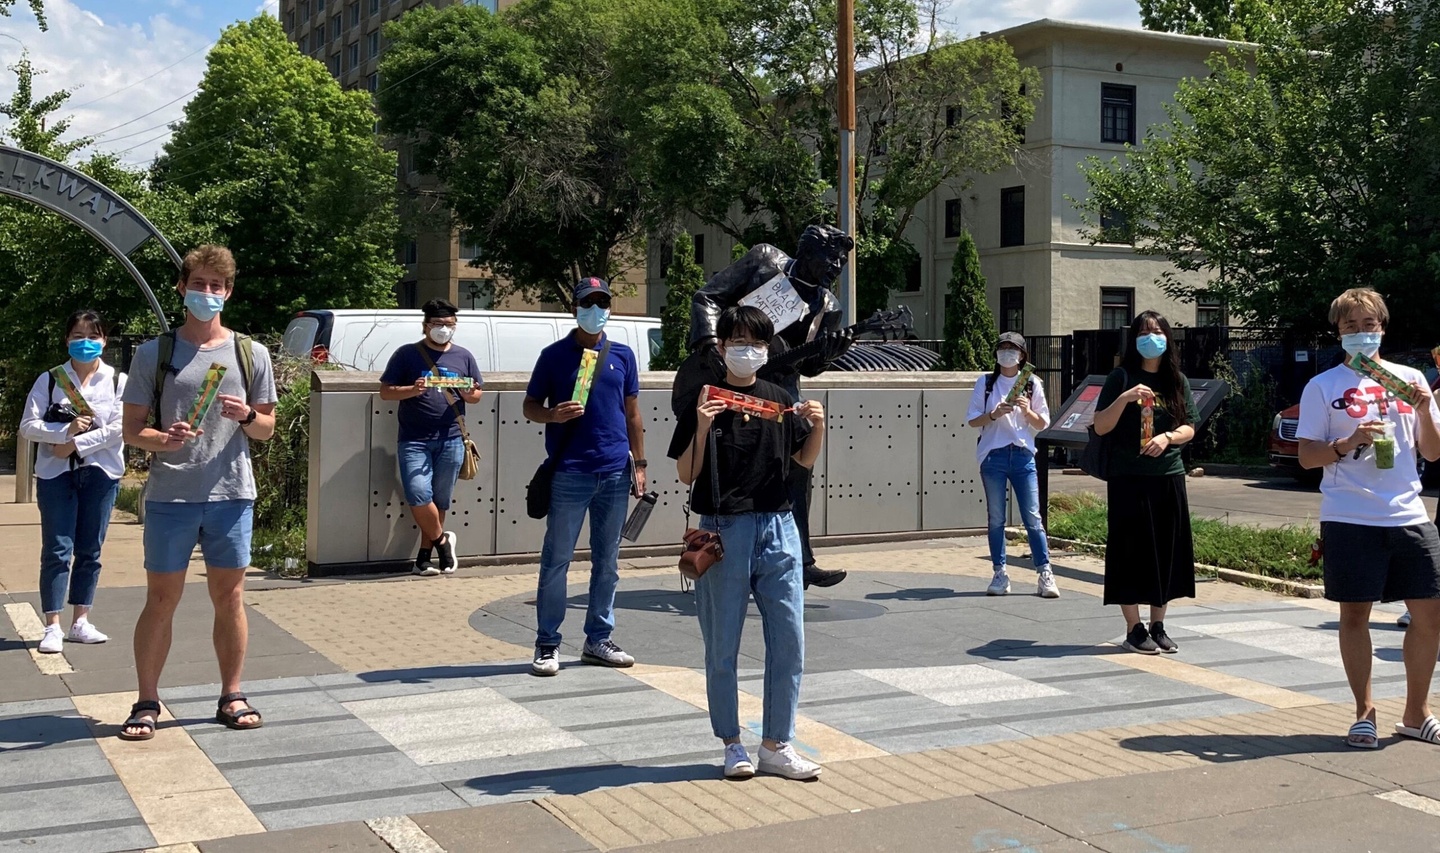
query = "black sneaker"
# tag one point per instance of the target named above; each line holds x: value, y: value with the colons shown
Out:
x: 424, y: 566
x: 445, y: 547
x: 1138, y: 641
x: 1162, y: 639
x: 823, y: 577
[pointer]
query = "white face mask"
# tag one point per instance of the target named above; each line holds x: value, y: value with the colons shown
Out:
x: 746, y: 361
x: 1008, y: 358
x: 441, y: 334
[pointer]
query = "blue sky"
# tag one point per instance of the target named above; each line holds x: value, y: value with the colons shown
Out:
x: 133, y: 64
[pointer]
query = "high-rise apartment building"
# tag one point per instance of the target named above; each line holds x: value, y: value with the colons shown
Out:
x: 347, y: 37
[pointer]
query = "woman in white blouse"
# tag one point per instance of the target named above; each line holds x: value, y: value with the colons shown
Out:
x: 78, y: 470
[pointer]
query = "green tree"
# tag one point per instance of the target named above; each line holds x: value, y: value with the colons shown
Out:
x: 732, y: 106
x: 969, y: 323
x: 1239, y: 20
x: 685, y: 277
x: 286, y: 169
x: 31, y: 124
x: 36, y: 6
x: 1295, y: 171
x: 517, y: 116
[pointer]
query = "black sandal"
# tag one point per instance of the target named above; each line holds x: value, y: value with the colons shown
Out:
x: 232, y: 721
x: 135, y: 721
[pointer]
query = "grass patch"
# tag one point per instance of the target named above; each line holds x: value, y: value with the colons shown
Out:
x: 1277, y: 552
x: 281, y: 552
x: 128, y: 499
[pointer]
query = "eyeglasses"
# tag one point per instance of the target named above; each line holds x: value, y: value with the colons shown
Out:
x: 593, y: 301
x: 440, y: 323
x: 1372, y: 326
x: 206, y: 287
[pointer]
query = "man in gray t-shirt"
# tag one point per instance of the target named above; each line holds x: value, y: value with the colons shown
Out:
x: 201, y: 488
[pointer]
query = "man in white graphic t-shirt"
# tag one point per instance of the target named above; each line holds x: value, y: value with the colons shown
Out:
x: 1379, y: 542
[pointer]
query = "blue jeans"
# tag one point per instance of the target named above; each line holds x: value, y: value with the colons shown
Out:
x: 1014, y: 465
x: 762, y: 556
x: 603, y: 496
x: 74, y: 515
x: 428, y: 470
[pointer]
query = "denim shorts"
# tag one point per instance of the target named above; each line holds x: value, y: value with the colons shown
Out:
x: 221, y: 528
x: 428, y: 470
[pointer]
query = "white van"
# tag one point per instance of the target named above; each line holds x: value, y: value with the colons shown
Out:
x: 360, y: 339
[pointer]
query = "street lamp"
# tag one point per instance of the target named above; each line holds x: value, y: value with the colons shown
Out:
x: 845, y: 107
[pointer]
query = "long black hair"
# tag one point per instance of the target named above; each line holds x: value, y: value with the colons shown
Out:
x: 1171, y: 386
x: 86, y: 317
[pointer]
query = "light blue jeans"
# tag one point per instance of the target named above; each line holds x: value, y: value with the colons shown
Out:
x: 1016, y: 466
x: 572, y: 495
x: 762, y: 556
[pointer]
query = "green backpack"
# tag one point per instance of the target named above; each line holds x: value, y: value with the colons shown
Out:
x: 243, y: 354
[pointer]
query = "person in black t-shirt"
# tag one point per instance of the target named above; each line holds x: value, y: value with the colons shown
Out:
x: 738, y: 467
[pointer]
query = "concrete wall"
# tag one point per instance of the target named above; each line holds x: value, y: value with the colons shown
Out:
x: 898, y: 460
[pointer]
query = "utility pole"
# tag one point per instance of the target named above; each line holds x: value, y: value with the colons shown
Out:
x: 845, y: 103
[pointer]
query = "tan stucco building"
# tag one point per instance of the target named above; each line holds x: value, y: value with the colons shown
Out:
x: 1101, y: 87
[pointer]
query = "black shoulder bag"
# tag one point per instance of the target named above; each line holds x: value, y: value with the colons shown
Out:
x: 537, y: 492
x: 1095, y: 458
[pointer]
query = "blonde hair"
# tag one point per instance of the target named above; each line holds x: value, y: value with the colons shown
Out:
x: 1362, y: 298
x: 209, y: 256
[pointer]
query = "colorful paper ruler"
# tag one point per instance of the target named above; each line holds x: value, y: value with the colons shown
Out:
x: 1367, y: 366
x: 464, y: 383
x: 1020, y: 379
x: 586, y: 377
x: 207, y: 395
x: 72, y: 393
x: 745, y: 404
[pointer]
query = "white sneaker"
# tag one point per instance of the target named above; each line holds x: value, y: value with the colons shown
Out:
x: 1000, y: 584
x: 53, y: 642
x: 83, y: 632
x: 786, y: 762
x: 547, y: 660
x: 1046, y: 588
x: 1404, y: 620
x: 445, y: 553
x: 737, y: 762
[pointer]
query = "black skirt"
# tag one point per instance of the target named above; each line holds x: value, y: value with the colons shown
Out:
x: 1149, y: 552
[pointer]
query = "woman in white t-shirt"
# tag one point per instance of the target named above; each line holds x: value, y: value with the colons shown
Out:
x: 1006, y: 452
x: 78, y: 470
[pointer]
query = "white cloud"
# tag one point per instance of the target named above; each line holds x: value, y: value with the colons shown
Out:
x: 971, y: 17
x: 96, y: 59
x: 269, y: 7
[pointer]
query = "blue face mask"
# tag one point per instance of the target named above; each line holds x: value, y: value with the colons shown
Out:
x: 1151, y: 346
x: 1361, y: 342
x: 204, y: 305
x: 592, y: 318
x: 86, y: 351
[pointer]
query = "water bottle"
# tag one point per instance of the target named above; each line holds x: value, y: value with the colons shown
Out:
x: 641, y: 514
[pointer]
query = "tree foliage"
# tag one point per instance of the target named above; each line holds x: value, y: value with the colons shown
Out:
x: 969, y: 323
x: 286, y: 169
x: 732, y: 105
x: 36, y: 6
x: 1296, y: 171
x: 518, y: 117
x: 683, y: 279
x: 1240, y: 20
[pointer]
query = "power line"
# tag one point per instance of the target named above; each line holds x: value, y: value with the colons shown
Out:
x: 143, y: 79
x: 145, y: 115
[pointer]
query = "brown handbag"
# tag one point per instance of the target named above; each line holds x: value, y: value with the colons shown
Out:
x: 470, y: 465
x: 702, y: 548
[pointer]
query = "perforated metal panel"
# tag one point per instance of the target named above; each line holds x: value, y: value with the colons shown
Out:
x: 817, y: 473
x: 953, y: 495
x: 521, y: 450
x: 874, y: 437
x: 393, y: 534
x: 667, y: 521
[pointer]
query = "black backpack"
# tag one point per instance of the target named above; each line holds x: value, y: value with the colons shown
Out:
x: 1095, y: 458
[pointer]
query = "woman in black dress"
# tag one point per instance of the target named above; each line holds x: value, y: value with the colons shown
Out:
x: 1149, y: 552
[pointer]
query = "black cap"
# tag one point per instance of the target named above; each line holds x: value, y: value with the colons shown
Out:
x: 590, y: 286
x: 1014, y: 338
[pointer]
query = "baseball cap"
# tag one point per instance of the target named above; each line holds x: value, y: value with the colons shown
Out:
x: 1014, y: 338
x: 590, y: 286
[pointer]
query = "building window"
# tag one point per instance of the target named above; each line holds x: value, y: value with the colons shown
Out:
x: 305, y: 10
x: 290, y: 21
x: 335, y: 28
x: 1115, y: 227
x: 1117, y: 113
x: 1117, y: 307
x: 1012, y: 309
x: 355, y: 14
x: 1209, y: 311
x: 1012, y: 216
x: 352, y: 56
x: 374, y: 7
x: 477, y: 294
x: 914, y: 271
x: 319, y: 6
x: 952, y: 116
x: 373, y: 82
x: 411, y: 253
x: 469, y: 246
x: 667, y: 258
x: 954, y: 220
x: 373, y: 44
x: 700, y: 249
x: 335, y: 65
x: 1007, y: 115
x: 405, y: 295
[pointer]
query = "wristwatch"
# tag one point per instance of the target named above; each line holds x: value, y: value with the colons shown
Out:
x: 641, y: 463
x: 250, y: 418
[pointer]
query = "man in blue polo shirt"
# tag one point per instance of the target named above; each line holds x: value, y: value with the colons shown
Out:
x: 592, y: 445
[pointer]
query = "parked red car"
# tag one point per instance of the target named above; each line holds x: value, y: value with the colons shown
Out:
x: 1283, y: 448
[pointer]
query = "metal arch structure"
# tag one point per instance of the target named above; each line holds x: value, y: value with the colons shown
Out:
x: 102, y: 213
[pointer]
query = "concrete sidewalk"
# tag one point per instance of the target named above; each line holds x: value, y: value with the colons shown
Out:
x: 400, y: 716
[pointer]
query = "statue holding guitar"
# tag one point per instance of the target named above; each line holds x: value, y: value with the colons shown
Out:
x: 794, y: 292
